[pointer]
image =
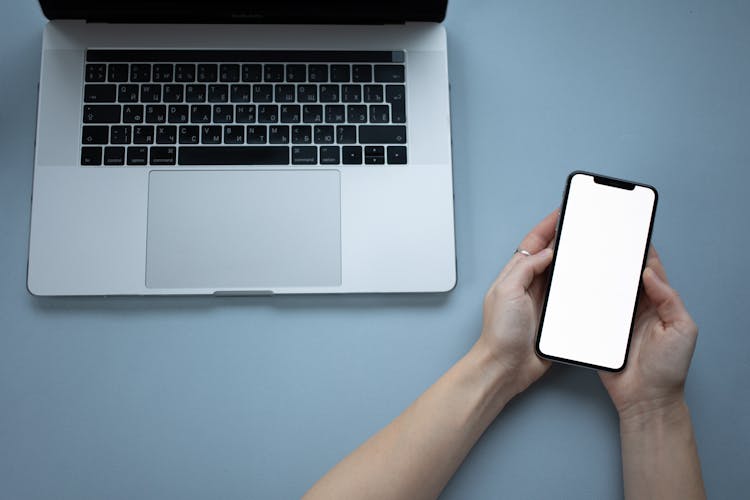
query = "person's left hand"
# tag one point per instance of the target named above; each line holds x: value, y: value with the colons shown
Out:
x: 513, y: 304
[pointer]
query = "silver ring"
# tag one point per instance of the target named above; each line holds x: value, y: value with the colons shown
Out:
x: 523, y: 252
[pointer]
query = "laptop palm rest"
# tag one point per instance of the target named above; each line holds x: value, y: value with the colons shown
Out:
x: 243, y: 229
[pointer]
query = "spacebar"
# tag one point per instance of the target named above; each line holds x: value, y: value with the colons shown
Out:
x: 233, y: 155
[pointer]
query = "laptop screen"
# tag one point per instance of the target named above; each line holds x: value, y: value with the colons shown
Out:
x: 249, y: 11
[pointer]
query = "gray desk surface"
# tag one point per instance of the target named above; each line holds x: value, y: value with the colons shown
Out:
x: 236, y: 398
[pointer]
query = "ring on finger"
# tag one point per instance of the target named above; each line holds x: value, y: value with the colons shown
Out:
x: 522, y: 252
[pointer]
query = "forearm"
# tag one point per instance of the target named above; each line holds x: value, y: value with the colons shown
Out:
x: 659, y: 454
x: 417, y: 453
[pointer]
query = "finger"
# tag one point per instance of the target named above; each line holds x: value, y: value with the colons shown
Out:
x: 654, y: 262
x: 524, y: 272
x: 539, y: 237
x: 669, y: 306
x: 542, y: 236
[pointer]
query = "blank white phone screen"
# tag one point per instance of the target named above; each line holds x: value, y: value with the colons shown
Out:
x: 597, y: 270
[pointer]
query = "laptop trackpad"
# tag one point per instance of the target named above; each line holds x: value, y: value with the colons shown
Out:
x: 255, y: 230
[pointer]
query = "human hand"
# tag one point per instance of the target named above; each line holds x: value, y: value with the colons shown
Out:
x: 512, y: 306
x: 660, y: 351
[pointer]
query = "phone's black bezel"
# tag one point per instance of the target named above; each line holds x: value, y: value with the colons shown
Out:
x: 622, y: 184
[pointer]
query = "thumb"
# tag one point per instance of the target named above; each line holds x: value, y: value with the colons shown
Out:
x: 669, y: 306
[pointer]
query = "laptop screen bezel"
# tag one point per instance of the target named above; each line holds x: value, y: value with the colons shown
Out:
x: 234, y: 11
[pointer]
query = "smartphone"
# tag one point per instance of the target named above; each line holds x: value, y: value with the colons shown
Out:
x: 602, y: 242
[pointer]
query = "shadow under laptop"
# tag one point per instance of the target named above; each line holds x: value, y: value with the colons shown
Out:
x: 161, y: 304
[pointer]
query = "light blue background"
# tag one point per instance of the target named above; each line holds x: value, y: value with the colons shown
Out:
x: 236, y: 397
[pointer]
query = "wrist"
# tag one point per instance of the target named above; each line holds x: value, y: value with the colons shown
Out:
x: 494, y: 378
x: 657, y: 412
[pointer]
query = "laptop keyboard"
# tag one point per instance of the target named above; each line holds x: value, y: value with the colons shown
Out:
x: 212, y: 107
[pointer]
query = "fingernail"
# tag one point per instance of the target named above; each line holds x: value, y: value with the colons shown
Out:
x: 546, y: 252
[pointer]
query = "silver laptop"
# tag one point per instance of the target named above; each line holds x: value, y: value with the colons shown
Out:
x: 242, y: 148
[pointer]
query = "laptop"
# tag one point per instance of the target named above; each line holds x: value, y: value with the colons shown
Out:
x: 242, y: 148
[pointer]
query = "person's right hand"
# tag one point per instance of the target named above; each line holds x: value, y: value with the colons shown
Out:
x: 660, y: 351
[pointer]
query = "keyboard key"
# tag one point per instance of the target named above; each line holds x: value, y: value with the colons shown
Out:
x: 174, y: 92
x: 379, y: 113
x: 163, y: 72
x: 335, y: 113
x: 218, y: 92
x: 91, y: 156
x: 178, y: 113
x: 346, y: 134
x: 317, y: 73
x: 323, y: 134
x: 273, y: 73
x: 234, y: 134
x: 304, y: 155
x: 101, y: 113
x: 96, y: 73
x: 312, y: 113
x: 195, y: 93
x: 211, y: 134
x: 229, y: 73
x: 296, y: 73
x: 118, y: 73
x: 382, y: 134
x: 200, y: 113
x: 189, y: 134
x: 132, y: 113
x: 262, y: 93
x: 143, y: 134
x: 351, y: 93
x: 374, y: 155
x: 307, y: 93
x: 140, y: 72
x: 114, y: 156
x: 223, y: 113
x: 373, y: 93
x: 268, y: 113
x: 329, y: 93
x: 340, y: 73
x: 302, y: 134
x: 244, y: 113
x: 362, y: 73
x: 352, y: 155
x: 150, y: 93
x: 99, y: 93
x: 240, y: 93
x: 119, y: 134
x: 184, y: 73
x: 163, y: 155
x: 95, y: 134
x: 284, y: 93
x: 166, y: 134
x: 278, y: 134
x: 137, y: 155
x: 329, y: 155
x: 127, y: 93
x: 356, y: 113
x: 257, y: 134
x: 156, y: 113
x: 389, y: 73
x: 207, y: 72
x: 395, y: 95
x: 251, y: 72
x: 233, y: 155
x: 397, y: 155
x: 290, y: 113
